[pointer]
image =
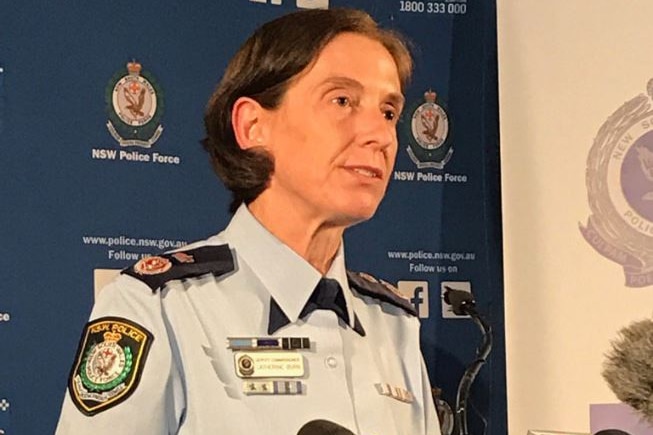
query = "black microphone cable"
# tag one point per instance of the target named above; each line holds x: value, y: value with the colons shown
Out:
x: 463, y: 303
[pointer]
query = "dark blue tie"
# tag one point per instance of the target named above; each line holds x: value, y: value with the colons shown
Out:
x: 328, y: 295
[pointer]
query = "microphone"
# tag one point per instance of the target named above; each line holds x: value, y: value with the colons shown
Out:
x: 463, y: 303
x: 628, y: 367
x: 323, y: 427
x: 611, y: 432
x: 459, y: 300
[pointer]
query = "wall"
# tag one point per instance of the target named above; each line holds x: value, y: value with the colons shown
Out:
x: 565, y: 67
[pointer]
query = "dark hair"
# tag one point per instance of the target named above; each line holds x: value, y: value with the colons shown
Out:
x: 262, y: 69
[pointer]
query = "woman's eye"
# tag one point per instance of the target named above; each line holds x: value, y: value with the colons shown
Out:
x: 390, y: 115
x: 342, y: 101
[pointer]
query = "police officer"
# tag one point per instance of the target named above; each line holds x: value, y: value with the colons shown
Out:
x: 261, y: 328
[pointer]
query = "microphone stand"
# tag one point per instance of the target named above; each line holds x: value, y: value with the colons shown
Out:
x: 463, y: 304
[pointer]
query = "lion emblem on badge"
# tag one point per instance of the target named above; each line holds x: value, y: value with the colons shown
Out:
x: 620, y: 190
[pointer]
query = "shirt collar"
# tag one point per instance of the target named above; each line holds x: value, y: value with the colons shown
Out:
x: 288, y: 277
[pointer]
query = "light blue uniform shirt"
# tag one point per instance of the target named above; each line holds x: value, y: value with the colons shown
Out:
x: 189, y: 383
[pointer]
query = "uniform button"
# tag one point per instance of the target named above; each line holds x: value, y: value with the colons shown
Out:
x: 331, y: 362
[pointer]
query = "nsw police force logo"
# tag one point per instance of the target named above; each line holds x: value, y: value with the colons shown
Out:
x: 135, y: 106
x: 620, y: 190
x: 109, y: 362
x: 427, y: 138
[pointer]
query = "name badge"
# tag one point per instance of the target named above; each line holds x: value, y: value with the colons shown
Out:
x: 269, y: 364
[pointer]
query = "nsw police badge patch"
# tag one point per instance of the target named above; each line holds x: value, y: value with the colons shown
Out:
x: 428, y: 131
x: 109, y: 362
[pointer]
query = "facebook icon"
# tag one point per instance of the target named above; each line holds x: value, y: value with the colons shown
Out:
x: 418, y: 294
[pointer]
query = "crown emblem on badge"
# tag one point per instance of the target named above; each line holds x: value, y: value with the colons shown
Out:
x: 430, y: 96
x: 134, y: 68
x: 112, y: 336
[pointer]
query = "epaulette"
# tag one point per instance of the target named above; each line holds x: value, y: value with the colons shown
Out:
x: 155, y: 271
x: 367, y: 285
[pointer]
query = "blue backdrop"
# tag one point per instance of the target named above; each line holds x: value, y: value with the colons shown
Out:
x: 74, y: 200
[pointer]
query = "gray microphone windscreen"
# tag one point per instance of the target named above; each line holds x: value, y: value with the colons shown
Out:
x: 628, y: 368
x: 323, y: 427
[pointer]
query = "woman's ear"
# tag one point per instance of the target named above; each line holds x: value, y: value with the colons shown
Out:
x: 248, y: 121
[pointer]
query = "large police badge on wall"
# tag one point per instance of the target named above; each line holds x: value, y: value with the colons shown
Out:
x: 427, y: 135
x: 135, y: 106
x: 620, y: 190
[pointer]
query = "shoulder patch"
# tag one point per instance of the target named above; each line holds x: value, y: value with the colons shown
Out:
x: 367, y: 285
x: 156, y: 271
x: 109, y: 363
